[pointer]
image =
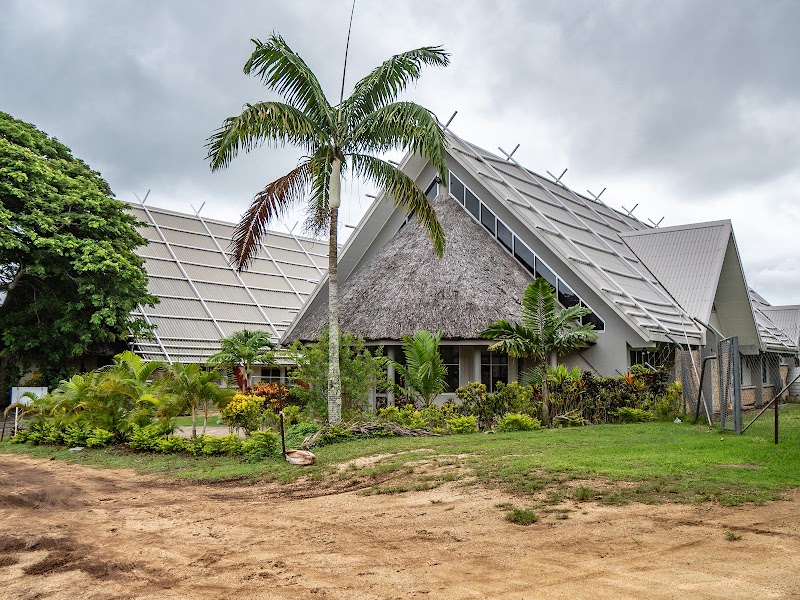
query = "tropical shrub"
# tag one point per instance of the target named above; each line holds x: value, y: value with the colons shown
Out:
x: 273, y: 395
x: 515, y: 398
x: 260, y: 445
x: 670, y: 405
x: 171, y: 445
x: 626, y: 414
x: 244, y: 412
x: 517, y: 422
x: 468, y: 424
x: 147, y: 438
x: 296, y: 434
x: 100, y: 438
x: 361, y: 371
x: 424, y: 372
x: 76, y: 434
x: 207, y: 445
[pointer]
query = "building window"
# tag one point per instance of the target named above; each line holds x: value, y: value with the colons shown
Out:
x: 525, y: 256
x: 269, y: 375
x: 472, y: 204
x: 566, y: 296
x: 432, y: 191
x: 649, y: 357
x: 543, y: 271
x: 488, y: 219
x: 450, y: 359
x: 457, y: 189
x: 494, y: 368
x: 505, y: 237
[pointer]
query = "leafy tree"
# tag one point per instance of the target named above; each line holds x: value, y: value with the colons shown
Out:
x: 193, y: 388
x: 68, y: 275
x: 362, y: 371
x: 245, y: 348
x: 544, y: 330
x: 424, y: 373
x: 336, y: 139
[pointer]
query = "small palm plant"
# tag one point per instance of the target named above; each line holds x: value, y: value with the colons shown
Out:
x: 244, y: 349
x: 194, y: 388
x: 424, y: 373
x: 544, y: 330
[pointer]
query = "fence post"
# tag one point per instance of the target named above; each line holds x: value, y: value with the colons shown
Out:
x: 736, y: 372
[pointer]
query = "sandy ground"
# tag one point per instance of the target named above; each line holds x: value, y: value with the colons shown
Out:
x: 68, y: 531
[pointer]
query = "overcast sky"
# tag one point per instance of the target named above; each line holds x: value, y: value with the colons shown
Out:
x: 690, y: 109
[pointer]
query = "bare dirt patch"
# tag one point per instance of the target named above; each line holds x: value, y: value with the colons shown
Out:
x: 70, y: 531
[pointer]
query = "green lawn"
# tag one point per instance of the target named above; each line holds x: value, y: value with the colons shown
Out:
x: 652, y: 462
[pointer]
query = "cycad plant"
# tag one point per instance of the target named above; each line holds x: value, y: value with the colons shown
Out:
x: 544, y: 330
x: 337, y: 140
x: 424, y: 374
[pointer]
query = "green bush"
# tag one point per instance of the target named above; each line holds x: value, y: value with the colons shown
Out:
x: 467, y: 424
x: 260, y: 445
x: 77, y: 434
x: 333, y: 434
x: 42, y: 432
x: 517, y: 422
x: 296, y: 434
x: 670, y: 405
x: 171, y: 445
x: 20, y: 437
x: 99, y: 438
x: 207, y: 445
x: 147, y: 438
x: 515, y: 398
x: 632, y: 415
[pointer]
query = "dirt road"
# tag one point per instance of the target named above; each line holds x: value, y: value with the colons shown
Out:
x: 68, y: 531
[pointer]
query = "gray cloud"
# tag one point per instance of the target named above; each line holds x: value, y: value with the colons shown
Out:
x: 691, y: 107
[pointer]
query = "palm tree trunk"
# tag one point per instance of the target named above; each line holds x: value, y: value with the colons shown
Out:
x: 205, y: 416
x: 545, y: 397
x: 194, y: 421
x: 334, y: 375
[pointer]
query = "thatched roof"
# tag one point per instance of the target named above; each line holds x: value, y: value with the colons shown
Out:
x: 404, y: 288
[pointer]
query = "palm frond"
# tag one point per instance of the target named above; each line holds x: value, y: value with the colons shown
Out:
x: 389, y: 79
x: 405, y: 193
x: 281, y: 69
x: 272, y: 123
x: 317, y: 206
x: 271, y: 202
x: 404, y: 125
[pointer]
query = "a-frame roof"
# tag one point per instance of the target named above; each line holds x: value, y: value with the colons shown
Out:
x: 202, y: 298
x: 778, y: 326
x: 686, y: 259
x: 586, y: 234
x: 404, y: 287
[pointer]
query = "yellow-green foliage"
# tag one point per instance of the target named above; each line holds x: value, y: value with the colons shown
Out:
x: 462, y: 424
x: 517, y: 422
x: 243, y: 412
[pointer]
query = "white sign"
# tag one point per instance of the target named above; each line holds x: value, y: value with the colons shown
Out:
x: 17, y: 394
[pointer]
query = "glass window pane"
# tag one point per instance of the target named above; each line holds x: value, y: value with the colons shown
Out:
x: 451, y: 378
x: 524, y: 255
x: 543, y: 271
x: 432, y: 190
x: 598, y: 323
x: 484, y: 357
x: 505, y: 236
x: 487, y: 219
x: 457, y: 188
x: 566, y: 296
x: 472, y: 204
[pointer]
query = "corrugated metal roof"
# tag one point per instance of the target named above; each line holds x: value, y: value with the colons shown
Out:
x: 687, y: 259
x: 586, y: 233
x: 778, y: 326
x: 203, y: 298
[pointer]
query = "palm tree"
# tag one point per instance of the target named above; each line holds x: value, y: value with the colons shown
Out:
x: 544, y: 330
x: 337, y: 140
x: 423, y: 374
x: 245, y: 348
x: 194, y: 388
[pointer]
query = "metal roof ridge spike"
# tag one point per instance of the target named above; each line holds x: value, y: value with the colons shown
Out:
x: 594, y: 233
x: 556, y: 228
x: 626, y: 260
x: 182, y: 270
x: 238, y: 276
